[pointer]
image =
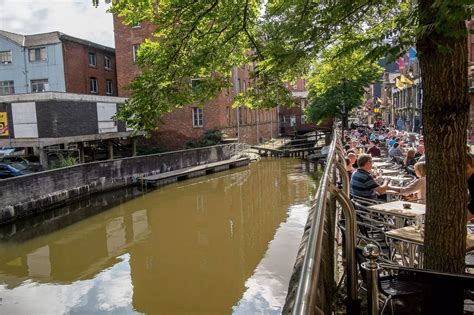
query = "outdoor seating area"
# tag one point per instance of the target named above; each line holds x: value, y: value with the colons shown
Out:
x: 387, y: 191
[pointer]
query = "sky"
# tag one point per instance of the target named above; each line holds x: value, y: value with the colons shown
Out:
x: 78, y: 18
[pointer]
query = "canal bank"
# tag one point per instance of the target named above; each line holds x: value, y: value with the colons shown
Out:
x: 217, y: 244
x: 35, y: 193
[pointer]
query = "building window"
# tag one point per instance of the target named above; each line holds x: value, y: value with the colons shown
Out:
x: 197, y: 117
x: 195, y: 83
x: 38, y: 54
x: 135, y: 52
x: 6, y: 88
x: 94, y: 85
x: 6, y: 57
x: 107, y: 63
x: 39, y: 85
x: 92, y: 60
x: 109, y: 88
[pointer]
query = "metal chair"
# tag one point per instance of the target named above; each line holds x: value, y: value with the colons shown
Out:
x: 392, y: 286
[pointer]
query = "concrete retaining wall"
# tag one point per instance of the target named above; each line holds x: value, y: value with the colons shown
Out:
x: 35, y: 193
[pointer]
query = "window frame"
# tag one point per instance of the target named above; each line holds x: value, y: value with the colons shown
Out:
x: 40, y: 54
x: 107, y: 90
x: 107, y: 60
x: 135, y: 49
x: 93, y: 82
x: 92, y: 62
x: 198, y: 117
x: 10, y: 87
x: 37, y: 82
x: 8, y: 53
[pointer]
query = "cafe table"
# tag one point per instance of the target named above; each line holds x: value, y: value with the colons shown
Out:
x: 390, y: 172
x: 397, y: 210
x: 408, y: 241
x: 382, y: 164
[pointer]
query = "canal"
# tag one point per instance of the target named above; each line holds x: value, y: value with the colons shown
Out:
x: 220, y: 244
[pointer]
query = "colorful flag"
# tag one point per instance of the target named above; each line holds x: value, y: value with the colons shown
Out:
x: 399, y: 84
x: 401, y: 64
x: 412, y: 54
x: 405, y: 80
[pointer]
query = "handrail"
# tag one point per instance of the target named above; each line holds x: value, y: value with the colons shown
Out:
x: 305, y: 300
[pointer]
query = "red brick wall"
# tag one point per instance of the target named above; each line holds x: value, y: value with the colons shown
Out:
x: 77, y: 71
x: 177, y: 127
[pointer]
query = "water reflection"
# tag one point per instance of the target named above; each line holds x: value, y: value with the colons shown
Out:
x: 196, y: 247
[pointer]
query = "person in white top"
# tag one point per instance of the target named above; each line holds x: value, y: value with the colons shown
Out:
x: 417, y: 187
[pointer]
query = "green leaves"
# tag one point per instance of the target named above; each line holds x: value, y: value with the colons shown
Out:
x: 338, y: 82
x: 282, y: 39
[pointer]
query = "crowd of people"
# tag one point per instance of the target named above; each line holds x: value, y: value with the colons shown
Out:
x: 404, y: 150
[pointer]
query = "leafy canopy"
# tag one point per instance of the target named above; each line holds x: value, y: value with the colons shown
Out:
x: 337, y: 84
x: 207, y: 38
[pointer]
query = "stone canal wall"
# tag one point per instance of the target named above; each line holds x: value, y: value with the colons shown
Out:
x: 30, y: 194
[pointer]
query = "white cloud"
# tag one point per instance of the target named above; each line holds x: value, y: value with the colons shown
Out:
x: 78, y: 18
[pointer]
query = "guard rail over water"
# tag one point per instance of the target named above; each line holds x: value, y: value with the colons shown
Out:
x: 312, y: 287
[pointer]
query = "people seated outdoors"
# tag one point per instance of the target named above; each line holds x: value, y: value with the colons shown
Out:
x: 353, y: 158
x: 470, y: 186
x: 373, y: 150
x: 395, y: 151
x: 410, y: 158
x: 362, y: 182
x: 391, y: 142
x: 416, y: 190
x: 420, y: 151
x: 349, y: 168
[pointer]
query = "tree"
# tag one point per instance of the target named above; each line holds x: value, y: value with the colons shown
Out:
x: 207, y: 38
x: 337, y: 84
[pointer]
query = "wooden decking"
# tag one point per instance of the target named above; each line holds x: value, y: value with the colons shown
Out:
x: 165, y: 178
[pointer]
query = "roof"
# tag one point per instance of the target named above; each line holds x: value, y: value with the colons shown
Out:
x: 16, y: 38
x: 49, y: 39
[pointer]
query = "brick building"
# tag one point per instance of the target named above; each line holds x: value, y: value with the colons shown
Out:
x: 55, y: 62
x: 292, y: 120
x: 189, y: 123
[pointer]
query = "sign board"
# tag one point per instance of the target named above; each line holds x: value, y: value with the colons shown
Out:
x: 4, y: 124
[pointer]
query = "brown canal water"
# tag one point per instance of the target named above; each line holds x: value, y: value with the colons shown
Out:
x: 221, y: 244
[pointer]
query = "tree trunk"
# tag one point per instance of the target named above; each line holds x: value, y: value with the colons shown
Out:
x: 445, y: 120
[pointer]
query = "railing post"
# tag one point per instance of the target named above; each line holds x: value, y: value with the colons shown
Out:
x: 372, y: 252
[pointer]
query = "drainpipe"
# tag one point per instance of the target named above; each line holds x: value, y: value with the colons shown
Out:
x: 235, y: 75
x: 25, y: 72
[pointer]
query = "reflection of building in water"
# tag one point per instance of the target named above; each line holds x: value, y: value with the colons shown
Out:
x: 202, y: 248
x: 67, y: 256
x: 191, y: 250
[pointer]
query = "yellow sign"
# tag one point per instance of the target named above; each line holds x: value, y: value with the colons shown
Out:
x: 4, y: 124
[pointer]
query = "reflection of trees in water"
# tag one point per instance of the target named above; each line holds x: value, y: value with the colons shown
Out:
x: 200, y: 239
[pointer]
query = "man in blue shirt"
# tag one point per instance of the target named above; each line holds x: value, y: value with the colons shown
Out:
x: 362, y: 182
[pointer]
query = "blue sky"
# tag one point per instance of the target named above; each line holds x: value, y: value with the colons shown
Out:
x: 74, y: 17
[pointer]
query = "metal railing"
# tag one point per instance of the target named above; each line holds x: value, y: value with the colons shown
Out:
x: 328, y: 197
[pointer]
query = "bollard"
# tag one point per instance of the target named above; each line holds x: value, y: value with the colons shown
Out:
x: 372, y: 252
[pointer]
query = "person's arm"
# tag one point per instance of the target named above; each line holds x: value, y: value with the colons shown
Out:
x: 382, y: 188
x: 413, y: 187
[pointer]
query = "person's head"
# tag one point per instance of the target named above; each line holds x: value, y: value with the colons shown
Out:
x: 395, y: 145
x: 347, y: 147
x: 397, y: 140
x: 411, y: 154
x: 348, y: 161
x: 421, y: 149
x: 353, y: 144
x: 470, y: 165
x: 420, y: 169
x: 372, y: 143
x: 365, y: 162
x: 352, y: 157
